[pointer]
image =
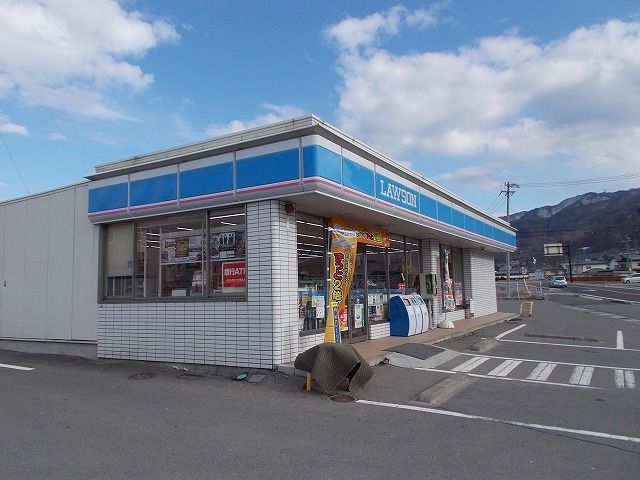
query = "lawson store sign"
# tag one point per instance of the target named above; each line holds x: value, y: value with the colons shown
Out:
x: 306, y: 164
x: 395, y: 193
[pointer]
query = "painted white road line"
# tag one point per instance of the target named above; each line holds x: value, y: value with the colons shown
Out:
x: 629, y: 379
x: 470, y: 364
x: 570, y: 345
x: 504, y: 334
x: 551, y: 428
x: 505, y: 368
x: 624, y: 378
x: 620, y: 341
x: 581, y: 375
x: 533, y: 360
x: 480, y: 375
x: 542, y: 371
x: 618, y: 378
x: 15, y: 367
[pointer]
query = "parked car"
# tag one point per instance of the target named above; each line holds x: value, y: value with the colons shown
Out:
x: 557, y: 281
x: 632, y: 278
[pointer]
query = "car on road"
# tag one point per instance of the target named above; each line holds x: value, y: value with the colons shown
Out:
x: 632, y: 278
x: 557, y: 281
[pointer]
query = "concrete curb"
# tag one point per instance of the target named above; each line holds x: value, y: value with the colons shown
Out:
x: 484, y: 345
x: 443, y: 390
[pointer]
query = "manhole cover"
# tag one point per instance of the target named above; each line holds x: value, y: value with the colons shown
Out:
x: 341, y: 398
x: 189, y: 376
x: 142, y: 376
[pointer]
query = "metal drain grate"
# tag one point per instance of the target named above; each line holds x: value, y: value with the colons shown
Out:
x: 562, y: 337
x: 142, y: 376
x: 190, y: 376
x: 341, y: 398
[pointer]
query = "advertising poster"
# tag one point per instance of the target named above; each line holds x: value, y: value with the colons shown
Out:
x: 168, y: 252
x: 227, y: 245
x: 234, y: 275
x: 341, y: 268
x: 449, y: 302
x: 182, y: 250
x: 457, y: 293
x: 195, y: 248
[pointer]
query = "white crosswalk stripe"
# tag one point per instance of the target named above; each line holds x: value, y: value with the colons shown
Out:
x: 470, y: 364
x: 565, y: 374
x: 624, y: 378
x: 505, y: 368
x: 542, y: 371
x: 581, y: 375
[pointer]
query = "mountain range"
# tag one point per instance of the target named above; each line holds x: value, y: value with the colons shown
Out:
x: 595, y: 225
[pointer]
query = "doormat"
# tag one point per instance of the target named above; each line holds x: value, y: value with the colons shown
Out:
x: 416, y: 350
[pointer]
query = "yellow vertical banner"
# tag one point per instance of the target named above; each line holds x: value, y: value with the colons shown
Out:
x: 342, y: 264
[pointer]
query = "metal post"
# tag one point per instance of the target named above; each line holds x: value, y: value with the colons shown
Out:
x: 508, y: 192
x: 570, y: 265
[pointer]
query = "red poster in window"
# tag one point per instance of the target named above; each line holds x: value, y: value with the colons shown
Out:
x: 234, y: 275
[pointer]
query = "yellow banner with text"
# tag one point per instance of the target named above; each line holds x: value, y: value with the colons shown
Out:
x: 344, y: 244
x: 367, y: 234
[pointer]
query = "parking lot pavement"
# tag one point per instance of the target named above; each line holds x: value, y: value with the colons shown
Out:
x: 561, y: 366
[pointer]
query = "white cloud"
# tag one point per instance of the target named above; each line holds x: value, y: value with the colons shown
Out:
x: 508, y: 99
x: 6, y: 126
x: 56, y: 136
x: 67, y: 55
x: 354, y: 33
x: 274, y: 113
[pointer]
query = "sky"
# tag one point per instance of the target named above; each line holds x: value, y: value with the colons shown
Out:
x: 468, y: 94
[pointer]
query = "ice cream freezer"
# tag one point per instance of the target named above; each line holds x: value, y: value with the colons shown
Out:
x: 409, y: 315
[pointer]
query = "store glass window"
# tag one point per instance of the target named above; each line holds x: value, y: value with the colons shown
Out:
x: 377, y: 284
x: 118, y: 260
x: 451, y: 274
x: 227, y: 252
x: 397, y: 266
x: 413, y: 264
x: 169, y: 257
x: 311, y: 248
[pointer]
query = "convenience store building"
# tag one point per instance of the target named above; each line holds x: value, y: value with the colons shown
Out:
x: 216, y: 252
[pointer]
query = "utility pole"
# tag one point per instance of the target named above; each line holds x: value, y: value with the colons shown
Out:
x: 510, y: 186
x: 628, y: 242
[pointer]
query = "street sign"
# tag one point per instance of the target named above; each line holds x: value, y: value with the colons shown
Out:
x: 553, y: 249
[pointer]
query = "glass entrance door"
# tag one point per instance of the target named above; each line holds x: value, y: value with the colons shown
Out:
x: 356, y: 301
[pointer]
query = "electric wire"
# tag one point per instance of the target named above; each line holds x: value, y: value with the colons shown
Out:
x: 15, y: 165
x: 583, y: 181
x: 494, y: 201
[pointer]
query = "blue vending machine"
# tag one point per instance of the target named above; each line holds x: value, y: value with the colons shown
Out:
x: 403, y: 318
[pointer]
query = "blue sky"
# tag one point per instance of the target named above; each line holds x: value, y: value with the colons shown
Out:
x: 469, y: 94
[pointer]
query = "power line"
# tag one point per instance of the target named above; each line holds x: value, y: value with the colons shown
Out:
x: 15, y: 165
x: 583, y: 181
x: 494, y: 201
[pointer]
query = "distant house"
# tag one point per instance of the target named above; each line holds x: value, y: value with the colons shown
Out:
x: 585, y: 266
x: 625, y: 259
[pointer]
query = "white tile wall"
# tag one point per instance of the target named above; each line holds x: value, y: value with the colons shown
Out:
x: 431, y: 264
x: 260, y: 332
x: 305, y: 342
x: 379, y: 330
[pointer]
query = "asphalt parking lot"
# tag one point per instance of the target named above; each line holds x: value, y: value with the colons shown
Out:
x: 75, y: 418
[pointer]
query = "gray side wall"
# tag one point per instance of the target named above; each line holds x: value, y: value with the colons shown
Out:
x: 48, y: 267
